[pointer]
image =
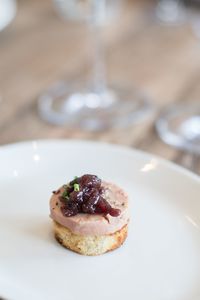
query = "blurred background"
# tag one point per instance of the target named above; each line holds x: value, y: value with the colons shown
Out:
x: 125, y: 72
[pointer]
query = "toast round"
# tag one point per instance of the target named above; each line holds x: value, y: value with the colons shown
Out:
x: 89, y: 244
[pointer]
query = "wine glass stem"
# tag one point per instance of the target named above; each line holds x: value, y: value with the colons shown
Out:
x: 195, y: 163
x: 99, y: 72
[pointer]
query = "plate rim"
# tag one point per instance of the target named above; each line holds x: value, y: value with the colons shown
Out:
x: 172, y: 166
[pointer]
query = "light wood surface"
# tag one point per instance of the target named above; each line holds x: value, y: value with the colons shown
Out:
x: 39, y: 48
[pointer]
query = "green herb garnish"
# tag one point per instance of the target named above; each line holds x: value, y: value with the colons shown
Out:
x: 76, y: 187
x: 65, y: 195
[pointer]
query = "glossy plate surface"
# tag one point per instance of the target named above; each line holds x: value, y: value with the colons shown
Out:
x: 161, y: 257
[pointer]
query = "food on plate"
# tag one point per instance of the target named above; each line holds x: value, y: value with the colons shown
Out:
x: 90, y: 216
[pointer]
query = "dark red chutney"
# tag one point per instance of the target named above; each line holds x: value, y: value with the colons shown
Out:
x: 86, y: 194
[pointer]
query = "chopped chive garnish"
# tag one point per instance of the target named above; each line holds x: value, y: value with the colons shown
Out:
x: 65, y: 195
x: 76, y: 187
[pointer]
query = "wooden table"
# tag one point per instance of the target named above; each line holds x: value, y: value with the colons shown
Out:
x: 38, y: 49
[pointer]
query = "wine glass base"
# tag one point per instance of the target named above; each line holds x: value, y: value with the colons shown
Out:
x: 90, y: 110
x: 179, y: 126
x: 72, y: 10
x: 170, y: 12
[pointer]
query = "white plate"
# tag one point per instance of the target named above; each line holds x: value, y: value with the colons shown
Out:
x: 161, y: 257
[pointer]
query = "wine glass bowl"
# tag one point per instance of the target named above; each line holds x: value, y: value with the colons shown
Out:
x: 179, y: 126
x: 84, y: 10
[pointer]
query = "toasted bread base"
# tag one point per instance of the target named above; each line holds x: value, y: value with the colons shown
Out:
x: 89, y: 244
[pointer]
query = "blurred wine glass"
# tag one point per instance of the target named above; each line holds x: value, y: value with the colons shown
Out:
x: 84, y: 9
x: 7, y: 12
x: 98, y: 105
x: 171, y: 12
x: 179, y: 126
x: 179, y: 12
